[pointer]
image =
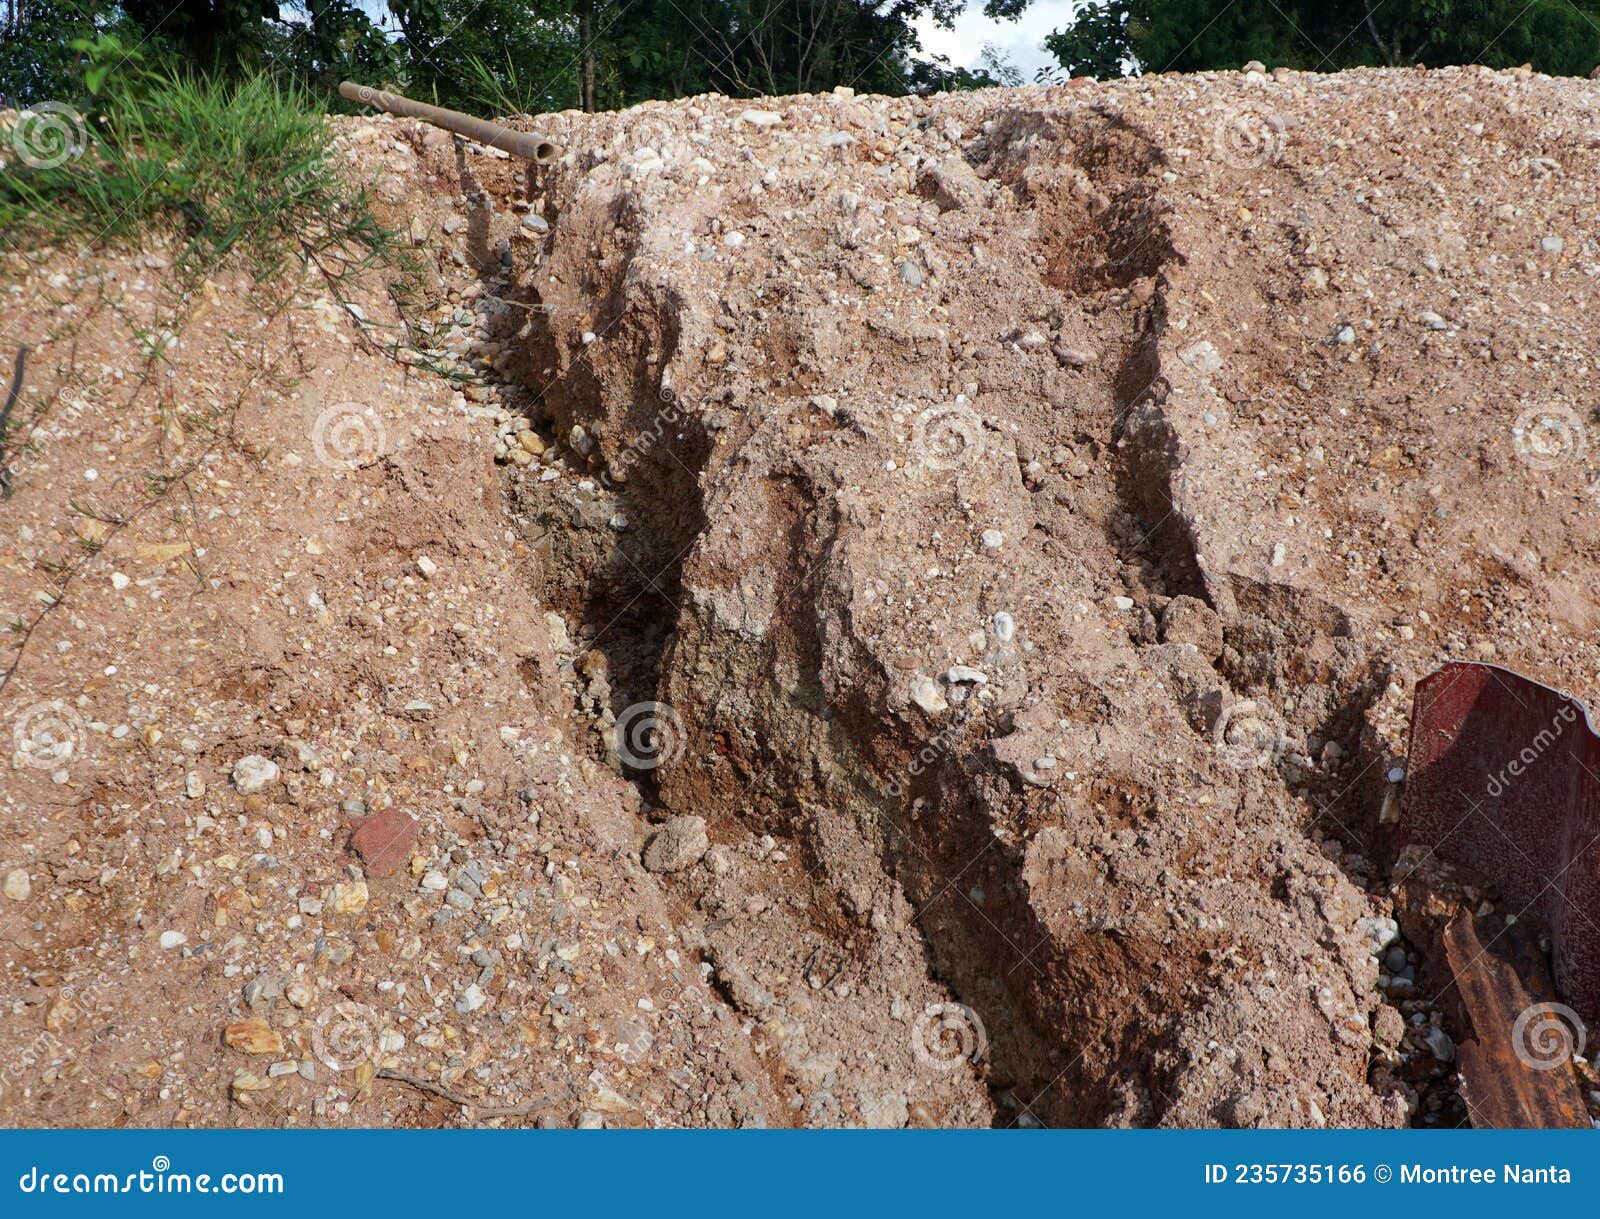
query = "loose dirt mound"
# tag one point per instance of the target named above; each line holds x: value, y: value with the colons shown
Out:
x: 1011, y: 523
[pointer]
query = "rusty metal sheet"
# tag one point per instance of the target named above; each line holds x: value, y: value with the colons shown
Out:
x: 1502, y: 778
x: 1515, y: 1056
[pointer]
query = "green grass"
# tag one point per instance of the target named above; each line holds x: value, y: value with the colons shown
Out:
x: 229, y: 169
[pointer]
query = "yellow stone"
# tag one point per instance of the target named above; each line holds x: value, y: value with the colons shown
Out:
x: 245, y: 1081
x: 161, y: 552
x: 253, y: 1036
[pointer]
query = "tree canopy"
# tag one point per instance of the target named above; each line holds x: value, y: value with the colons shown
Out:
x: 505, y: 55
x: 1109, y: 37
x: 509, y: 56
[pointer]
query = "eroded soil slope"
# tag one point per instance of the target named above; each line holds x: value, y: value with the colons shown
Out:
x: 1011, y: 522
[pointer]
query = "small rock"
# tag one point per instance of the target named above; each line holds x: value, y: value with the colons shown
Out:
x: 384, y: 841
x: 349, y: 898
x: 882, y: 1112
x: 965, y: 674
x: 926, y: 694
x: 911, y: 274
x: 1202, y: 357
x: 18, y: 886
x: 253, y: 773
x: 471, y: 999
x: 761, y: 118
x: 173, y: 939
x: 678, y: 845
x: 194, y: 785
x: 253, y: 1036
x: 427, y: 567
x: 262, y: 990
x: 1388, y: 1026
x: 993, y: 539
x: 1381, y: 931
x: 247, y: 1081
x: 1439, y: 1044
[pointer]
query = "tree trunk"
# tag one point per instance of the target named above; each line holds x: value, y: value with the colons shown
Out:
x: 586, y: 57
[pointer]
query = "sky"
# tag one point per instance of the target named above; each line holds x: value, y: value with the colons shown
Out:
x: 1021, y: 41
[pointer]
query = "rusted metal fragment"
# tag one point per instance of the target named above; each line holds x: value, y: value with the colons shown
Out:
x: 1505, y: 1084
x: 1514, y: 1043
x: 1504, y: 777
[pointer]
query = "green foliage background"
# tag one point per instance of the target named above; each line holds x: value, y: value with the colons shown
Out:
x: 509, y: 56
x: 1108, y: 37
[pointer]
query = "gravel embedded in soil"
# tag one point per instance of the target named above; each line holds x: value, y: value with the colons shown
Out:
x: 986, y: 560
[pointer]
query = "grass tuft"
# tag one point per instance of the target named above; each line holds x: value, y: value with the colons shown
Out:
x: 226, y: 168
